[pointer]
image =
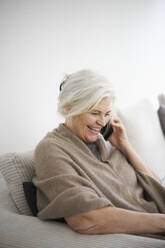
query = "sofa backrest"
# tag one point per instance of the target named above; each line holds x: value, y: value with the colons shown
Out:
x: 145, y: 134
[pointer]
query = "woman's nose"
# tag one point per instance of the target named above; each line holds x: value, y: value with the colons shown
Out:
x: 101, y: 121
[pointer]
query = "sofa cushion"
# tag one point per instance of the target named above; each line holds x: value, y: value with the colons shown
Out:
x: 30, y: 195
x: 145, y: 134
x: 5, y: 199
x: 17, y: 168
x: 161, y: 114
x: 161, y: 99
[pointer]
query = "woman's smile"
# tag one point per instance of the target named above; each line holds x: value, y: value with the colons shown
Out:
x: 94, y: 130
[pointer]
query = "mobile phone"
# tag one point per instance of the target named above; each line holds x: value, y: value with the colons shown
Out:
x: 106, y: 131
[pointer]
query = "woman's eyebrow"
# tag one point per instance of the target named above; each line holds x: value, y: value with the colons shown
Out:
x: 96, y: 110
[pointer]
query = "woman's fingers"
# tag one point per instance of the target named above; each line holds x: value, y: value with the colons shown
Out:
x: 116, y: 122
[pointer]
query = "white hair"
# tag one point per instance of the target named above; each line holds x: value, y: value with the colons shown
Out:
x: 82, y: 91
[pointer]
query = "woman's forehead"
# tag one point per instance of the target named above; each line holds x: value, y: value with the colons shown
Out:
x: 105, y: 102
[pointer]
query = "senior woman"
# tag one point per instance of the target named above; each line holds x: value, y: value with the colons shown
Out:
x: 96, y: 186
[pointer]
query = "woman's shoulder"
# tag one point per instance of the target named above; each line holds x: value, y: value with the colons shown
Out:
x: 54, y: 142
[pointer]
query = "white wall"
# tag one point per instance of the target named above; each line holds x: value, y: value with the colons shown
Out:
x: 40, y: 40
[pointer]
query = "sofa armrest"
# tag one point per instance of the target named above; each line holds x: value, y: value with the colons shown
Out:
x: 29, y: 232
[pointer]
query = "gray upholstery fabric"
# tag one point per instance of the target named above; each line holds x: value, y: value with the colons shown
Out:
x: 161, y: 114
x: 17, y: 168
x: 161, y: 99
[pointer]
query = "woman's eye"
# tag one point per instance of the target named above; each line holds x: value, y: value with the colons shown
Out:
x: 94, y: 113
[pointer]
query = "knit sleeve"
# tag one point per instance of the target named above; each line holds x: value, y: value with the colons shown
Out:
x: 63, y: 188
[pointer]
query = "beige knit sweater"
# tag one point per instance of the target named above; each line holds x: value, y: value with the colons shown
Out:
x: 71, y: 180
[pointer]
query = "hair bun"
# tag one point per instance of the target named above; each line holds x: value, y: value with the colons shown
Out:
x: 64, y: 81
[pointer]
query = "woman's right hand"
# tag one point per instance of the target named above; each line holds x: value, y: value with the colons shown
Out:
x: 119, y: 137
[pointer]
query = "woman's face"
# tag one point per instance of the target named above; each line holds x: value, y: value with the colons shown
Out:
x: 88, y: 125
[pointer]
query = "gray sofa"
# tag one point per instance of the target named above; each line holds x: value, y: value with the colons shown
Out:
x: 20, y: 229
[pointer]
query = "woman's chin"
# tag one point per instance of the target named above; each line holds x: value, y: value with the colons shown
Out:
x: 92, y: 138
